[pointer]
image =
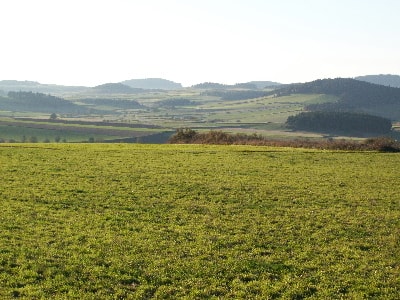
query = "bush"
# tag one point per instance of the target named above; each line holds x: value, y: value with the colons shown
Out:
x: 190, y: 136
x: 183, y: 136
x: 383, y: 144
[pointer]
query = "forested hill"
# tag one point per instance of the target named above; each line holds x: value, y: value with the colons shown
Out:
x: 354, y: 95
x: 388, y: 80
x: 38, y: 102
x: 349, y: 90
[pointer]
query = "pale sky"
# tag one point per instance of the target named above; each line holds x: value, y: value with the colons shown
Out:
x: 91, y: 42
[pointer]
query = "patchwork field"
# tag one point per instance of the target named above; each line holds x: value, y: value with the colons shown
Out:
x: 166, y: 110
x: 131, y: 221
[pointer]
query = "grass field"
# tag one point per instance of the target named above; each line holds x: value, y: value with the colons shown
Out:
x: 119, y: 221
x: 44, y: 130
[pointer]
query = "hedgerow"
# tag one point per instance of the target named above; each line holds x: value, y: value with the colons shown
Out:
x: 190, y: 136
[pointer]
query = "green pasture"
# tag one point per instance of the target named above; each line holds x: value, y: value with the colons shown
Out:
x: 207, y: 113
x: 23, y: 133
x: 266, y: 109
x: 129, y: 221
x: 44, y: 131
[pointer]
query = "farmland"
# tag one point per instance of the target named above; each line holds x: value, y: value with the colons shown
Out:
x: 265, y: 115
x: 242, y: 108
x: 135, y: 221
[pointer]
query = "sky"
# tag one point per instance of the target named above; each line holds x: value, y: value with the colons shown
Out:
x: 91, y: 42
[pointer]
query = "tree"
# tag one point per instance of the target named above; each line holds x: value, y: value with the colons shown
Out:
x: 33, y: 139
x: 53, y: 116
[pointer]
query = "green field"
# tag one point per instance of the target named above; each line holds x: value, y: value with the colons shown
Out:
x: 43, y: 130
x: 130, y: 221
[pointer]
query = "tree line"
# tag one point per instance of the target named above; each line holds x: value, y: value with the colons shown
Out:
x: 346, y: 123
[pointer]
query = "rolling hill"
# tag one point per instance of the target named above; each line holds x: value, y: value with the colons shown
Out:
x: 353, y: 95
x: 387, y: 80
x: 34, y: 86
x: 30, y: 102
x: 116, y: 88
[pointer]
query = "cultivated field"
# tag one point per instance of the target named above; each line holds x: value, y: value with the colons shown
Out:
x: 130, y: 221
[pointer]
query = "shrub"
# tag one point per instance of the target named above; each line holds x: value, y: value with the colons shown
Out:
x: 184, y: 136
x: 190, y: 136
x: 383, y: 144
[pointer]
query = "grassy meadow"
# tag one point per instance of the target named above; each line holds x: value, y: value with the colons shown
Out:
x: 135, y: 221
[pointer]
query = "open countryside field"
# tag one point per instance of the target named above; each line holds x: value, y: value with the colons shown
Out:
x: 129, y: 221
x: 77, y: 131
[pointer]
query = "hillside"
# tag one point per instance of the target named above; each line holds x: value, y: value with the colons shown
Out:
x: 251, y: 85
x: 38, y: 102
x: 264, y: 84
x: 387, y: 80
x: 116, y: 88
x: 152, y: 84
x: 354, y: 95
x: 34, y: 86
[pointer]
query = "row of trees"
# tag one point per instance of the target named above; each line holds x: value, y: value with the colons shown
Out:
x: 32, y: 139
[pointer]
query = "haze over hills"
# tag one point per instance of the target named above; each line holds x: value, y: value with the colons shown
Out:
x: 162, y: 84
x: 251, y: 85
x: 127, y: 86
x: 153, y: 83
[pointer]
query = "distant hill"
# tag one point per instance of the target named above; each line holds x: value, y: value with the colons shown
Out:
x: 354, y: 96
x: 116, y: 88
x: 387, y: 80
x: 37, y: 102
x: 152, y: 84
x: 211, y: 85
x: 264, y: 84
x: 251, y: 85
x: 33, y: 86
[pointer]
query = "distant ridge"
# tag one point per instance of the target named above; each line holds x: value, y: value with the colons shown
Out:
x: 387, y: 80
x: 34, y: 86
x: 252, y: 85
x: 116, y: 88
x: 353, y: 96
x: 152, y: 84
x: 264, y: 84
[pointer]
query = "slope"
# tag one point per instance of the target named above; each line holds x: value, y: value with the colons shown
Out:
x: 354, y: 96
